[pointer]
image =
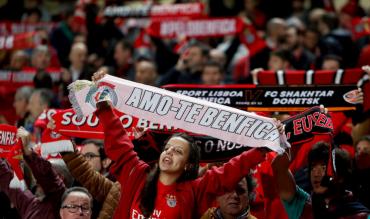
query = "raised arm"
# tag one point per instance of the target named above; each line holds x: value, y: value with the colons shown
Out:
x: 42, y: 170
x: 117, y: 144
x: 22, y: 200
x: 284, y: 178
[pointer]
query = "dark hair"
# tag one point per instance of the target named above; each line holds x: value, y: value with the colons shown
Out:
x: 211, y: 63
x: 335, y: 58
x: 149, y: 192
x: 126, y: 45
x: 331, y: 20
x: 318, y: 153
x: 284, y: 54
x: 46, y: 95
x: 204, y: 49
x: 76, y: 189
x: 35, y: 10
x: 97, y: 143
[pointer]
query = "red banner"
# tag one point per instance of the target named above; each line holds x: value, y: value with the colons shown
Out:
x: 26, y: 40
x: 68, y: 124
x: 207, y: 27
x: 193, y: 10
x: 8, y: 28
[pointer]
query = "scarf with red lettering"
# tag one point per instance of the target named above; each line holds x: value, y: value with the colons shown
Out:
x: 11, y: 150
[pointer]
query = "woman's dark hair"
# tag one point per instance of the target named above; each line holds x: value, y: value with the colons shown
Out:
x: 318, y: 153
x: 149, y: 192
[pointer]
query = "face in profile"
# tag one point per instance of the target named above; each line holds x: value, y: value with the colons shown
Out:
x: 77, y: 205
x: 232, y: 204
x: 174, y: 157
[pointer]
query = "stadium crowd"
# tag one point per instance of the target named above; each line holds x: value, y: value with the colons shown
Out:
x: 327, y: 176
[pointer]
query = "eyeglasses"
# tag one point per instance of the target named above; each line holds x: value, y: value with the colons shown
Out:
x: 75, y: 208
x: 90, y: 155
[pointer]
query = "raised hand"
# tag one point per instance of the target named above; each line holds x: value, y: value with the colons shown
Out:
x: 98, y: 75
x: 25, y: 137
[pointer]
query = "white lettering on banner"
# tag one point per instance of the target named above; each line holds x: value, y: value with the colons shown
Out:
x: 136, y: 215
x: 5, y: 75
x: 6, y: 42
x: 23, y: 77
x: 7, y: 138
x: 174, y: 9
x: 198, y: 27
x: 296, y: 101
x: 300, y: 94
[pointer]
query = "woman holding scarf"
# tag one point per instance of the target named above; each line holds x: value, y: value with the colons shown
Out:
x: 172, y: 188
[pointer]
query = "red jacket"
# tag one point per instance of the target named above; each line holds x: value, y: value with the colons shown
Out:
x: 196, y: 194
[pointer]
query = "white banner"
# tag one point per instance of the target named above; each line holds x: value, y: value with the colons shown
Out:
x: 180, y: 111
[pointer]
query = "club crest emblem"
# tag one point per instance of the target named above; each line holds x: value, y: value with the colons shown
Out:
x: 100, y: 92
x: 171, y: 200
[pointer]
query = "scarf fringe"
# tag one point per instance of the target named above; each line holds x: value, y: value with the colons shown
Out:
x: 56, y: 147
x: 16, y: 183
x: 73, y: 88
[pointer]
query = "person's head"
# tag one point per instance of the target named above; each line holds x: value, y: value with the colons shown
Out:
x: 33, y: 15
x: 78, y: 55
x: 327, y: 22
x: 318, y: 158
x: 212, y: 73
x: 276, y: 28
x: 293, y: 37
x: 93, y: 151
x: 76, y: 203
x: 331, y: 62
x: 195, y: 56
x: 362, y: 148
x: 179, y: 160
x: 180, y: 157
x: 311, y: 38
x: 123, y: 53
x: 19, y: 60
x: 280, y: 60
x: 62, y: 170
x: 235, y: 203
x: 40, y: 57
x: 218, y: 56
x: 21, y: 99
x: 39, y: 101
x: 146, y: 72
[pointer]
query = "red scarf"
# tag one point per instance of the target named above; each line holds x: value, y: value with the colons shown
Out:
x: 11, y: 150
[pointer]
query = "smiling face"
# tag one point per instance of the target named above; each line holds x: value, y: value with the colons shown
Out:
x: 232, y: 204
x: 174, y: 157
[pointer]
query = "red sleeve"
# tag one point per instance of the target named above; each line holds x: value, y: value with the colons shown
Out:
x: 217, y: 181
x: 339, y: 120
x: 117, y: 145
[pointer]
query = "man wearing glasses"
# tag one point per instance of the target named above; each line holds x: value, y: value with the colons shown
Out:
x: 76, y: 204
x: 93, y: 151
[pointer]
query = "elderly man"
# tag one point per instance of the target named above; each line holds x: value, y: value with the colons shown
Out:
x: 76, y: 203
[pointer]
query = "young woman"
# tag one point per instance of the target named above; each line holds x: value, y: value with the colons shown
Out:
x: 171, y: 189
